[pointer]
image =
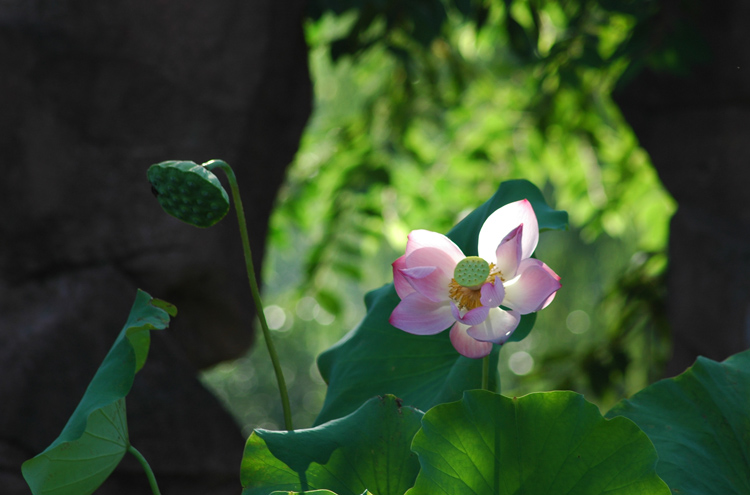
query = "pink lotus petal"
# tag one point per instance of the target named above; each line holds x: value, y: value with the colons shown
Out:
x: 502, y: 221
x: 418, y: 315
x: 534, y: 262
x: 472, y: 317
x: 430, y: 256
x: 403, y: 288
x: 530, y: 291
x: 497, y: 328
x: 467, y: 346
x: 419, y: 239
x: 548, y: 300
x: 508, y: 253
x: 492, y: 294
x: 428, y: 281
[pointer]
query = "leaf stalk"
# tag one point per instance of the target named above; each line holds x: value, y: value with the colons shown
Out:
x: 147, y: 468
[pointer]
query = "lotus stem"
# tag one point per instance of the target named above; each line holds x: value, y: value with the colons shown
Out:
x: 254, y: 287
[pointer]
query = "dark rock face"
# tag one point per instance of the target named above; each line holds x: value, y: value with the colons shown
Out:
x: 91, y: 95
x: 696, y: 128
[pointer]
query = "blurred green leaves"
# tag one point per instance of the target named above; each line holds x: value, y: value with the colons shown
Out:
x: 409, y: 133
x: 412, y: 128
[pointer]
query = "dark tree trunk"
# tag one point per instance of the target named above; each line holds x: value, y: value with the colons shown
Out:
x: 696, y: 128
x: 92, y: 93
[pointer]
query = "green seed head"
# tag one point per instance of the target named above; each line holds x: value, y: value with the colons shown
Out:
x: 471, y: 272
x: 189, y: 192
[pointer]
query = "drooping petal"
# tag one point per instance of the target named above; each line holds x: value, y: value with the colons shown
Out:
x: 534, y: 262
x: 467, y: 346
x: 472, y: 317
x: 497, y: 328
x: 418, y: 315
x: 403, y: 287
x: 530, y: 291
x: 419, y: 239
x: 508, y: 253
x: 429, y: 281
x: 492, y: 294
x: 502, y: 221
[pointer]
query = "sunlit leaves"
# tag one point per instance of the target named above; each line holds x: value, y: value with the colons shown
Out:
x: 539, y: 444
x: 368, y: 449
x: 311, y: 492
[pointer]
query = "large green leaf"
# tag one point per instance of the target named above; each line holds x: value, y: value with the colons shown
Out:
x: 376, y: 358
x: 368, y: 449
x: 96, y: 436
x: 311, y: 492
x: 544, y: 443
x: 700, y: 424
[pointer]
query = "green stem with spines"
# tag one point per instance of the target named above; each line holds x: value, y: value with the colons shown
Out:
x: 210, y: 165
x: 147, y: 468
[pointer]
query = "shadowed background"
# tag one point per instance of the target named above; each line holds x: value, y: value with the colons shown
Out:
x: 421, y: 110
x: 92, y: 94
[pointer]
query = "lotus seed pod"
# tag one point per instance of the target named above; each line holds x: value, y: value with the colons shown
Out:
x: 471, y: 272
x: 189, y: 191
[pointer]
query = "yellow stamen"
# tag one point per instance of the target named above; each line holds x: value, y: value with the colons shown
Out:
x: 464, y: 297
x: 468, y: 298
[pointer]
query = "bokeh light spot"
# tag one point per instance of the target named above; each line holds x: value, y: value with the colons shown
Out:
x: 521, y: 363
x: 275, y: 317
x: 307, y: 308
x: 578, y: 321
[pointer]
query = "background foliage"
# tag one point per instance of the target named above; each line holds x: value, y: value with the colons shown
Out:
x: 421, y: 110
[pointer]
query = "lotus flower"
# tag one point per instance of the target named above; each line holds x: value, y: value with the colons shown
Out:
x: 440, y: 287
